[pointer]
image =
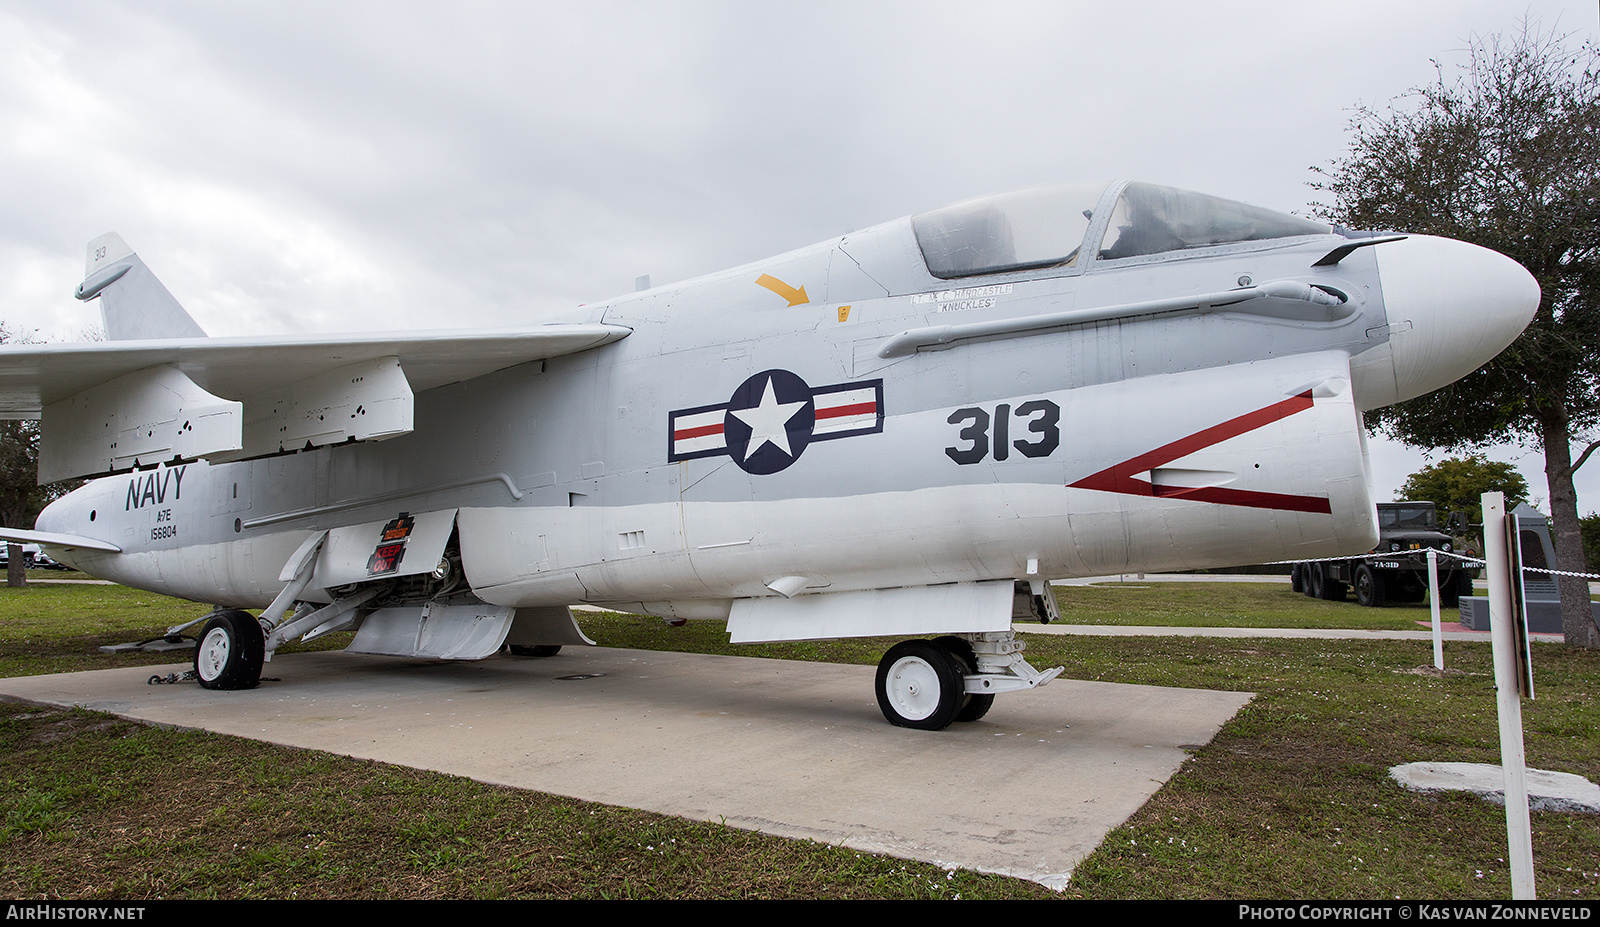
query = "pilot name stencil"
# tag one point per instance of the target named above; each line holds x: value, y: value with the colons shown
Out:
x: 972, y: 297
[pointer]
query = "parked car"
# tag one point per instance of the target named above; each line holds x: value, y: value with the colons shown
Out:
x: 30, y: 553
x: 43, y: 561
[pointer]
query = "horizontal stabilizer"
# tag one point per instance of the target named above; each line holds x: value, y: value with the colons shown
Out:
x: 52, y: 539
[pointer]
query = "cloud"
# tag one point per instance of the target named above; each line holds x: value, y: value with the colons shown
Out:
x: 298, y: 166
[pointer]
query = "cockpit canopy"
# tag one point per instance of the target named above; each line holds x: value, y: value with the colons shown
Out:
x: 1047, y: 226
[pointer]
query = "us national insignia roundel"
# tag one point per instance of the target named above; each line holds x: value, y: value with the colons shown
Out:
x: 772, y: 418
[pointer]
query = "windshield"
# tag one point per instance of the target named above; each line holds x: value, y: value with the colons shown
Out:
x: 1407, y: 516
x: 1152, y: 220
x: 1040, y: 227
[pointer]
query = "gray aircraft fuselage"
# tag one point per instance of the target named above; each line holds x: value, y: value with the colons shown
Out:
x: 1153, y: 381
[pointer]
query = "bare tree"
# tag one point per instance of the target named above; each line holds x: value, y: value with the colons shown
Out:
x: 1505, y: 153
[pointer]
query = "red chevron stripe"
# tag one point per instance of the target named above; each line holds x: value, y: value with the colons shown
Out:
x: 1119, y: 477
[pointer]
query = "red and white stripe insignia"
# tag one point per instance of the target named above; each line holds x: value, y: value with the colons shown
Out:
x: 846, y: 411
x: 697, y: 433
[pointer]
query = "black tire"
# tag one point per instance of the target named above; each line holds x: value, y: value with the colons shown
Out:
x: 230, y: 652
x: 1296, y: 580
x: 976, y: 707
x: 534, y: 650
x: 1332, y: 590
x: 1313, y: 580
x: 1372, y: 588
x: 1452, y: 589
x: 973, y: 706
x: 919, y: 685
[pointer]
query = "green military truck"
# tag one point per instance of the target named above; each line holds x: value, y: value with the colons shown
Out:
x: 1397, y: 569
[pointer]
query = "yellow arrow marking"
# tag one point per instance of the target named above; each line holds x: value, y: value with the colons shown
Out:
x: 795, y: 296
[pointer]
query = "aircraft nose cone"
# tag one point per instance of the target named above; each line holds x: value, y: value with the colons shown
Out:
x: 1452, y: 306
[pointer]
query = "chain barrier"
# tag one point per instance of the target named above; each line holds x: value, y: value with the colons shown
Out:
x: 1528, y: 569
x: 1480, y: 562
x: 1476, y: 561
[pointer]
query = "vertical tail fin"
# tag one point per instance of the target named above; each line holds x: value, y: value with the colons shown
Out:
x: 133, y: 303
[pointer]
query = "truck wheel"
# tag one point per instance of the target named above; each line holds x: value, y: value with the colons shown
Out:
x: 1326, y: 587
x: 1296, y: 581
x: 1311, y: 579
x: 1371, y: 589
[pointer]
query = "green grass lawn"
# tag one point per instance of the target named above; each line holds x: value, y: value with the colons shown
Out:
x: 1292, y: 799
x: 1236, y: 605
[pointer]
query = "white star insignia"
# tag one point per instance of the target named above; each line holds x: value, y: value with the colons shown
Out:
x: 767, y: 422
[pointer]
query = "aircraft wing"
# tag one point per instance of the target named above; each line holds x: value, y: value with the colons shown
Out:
x: 110, y: 406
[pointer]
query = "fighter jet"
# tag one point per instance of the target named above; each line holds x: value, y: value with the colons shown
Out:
x: 903, y: 432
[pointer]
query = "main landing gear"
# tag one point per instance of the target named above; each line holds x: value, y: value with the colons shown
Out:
x: 929, y: 684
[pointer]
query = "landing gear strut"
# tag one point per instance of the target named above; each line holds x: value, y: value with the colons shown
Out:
x: 973, y: 706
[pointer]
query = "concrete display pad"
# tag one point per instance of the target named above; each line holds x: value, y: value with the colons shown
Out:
x: 782, y: 747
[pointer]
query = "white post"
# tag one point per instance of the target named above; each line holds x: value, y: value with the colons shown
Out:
x: 1519, y: 835
x: 1433, y: 597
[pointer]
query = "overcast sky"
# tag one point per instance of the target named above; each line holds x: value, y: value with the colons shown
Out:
x: 330, y: 166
